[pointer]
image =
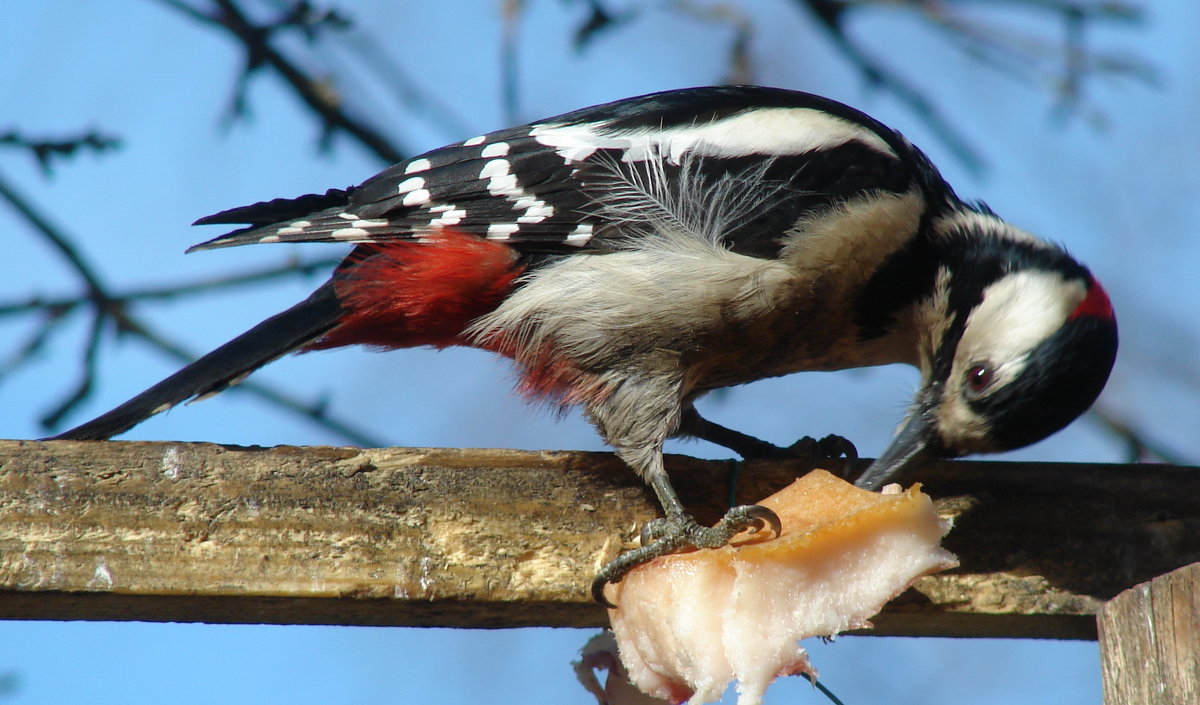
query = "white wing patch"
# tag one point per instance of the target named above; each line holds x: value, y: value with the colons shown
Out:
x: 501, y: 231
x: 448, y: 215
x: 502, y: 183
x: 410, y: 185
x: 349, y: 234
x: 574, y: 143
x: 418, y: 165
x: 580, y: 235
x: 495, y: 149
x: 417, y: 197
x: 764, y: 131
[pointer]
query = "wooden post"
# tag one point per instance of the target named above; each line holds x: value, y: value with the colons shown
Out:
x: 501, y: 538
x: 1150, y: 642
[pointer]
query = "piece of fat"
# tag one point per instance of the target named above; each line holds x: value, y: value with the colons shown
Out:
x: 688, y: 624
x: 600, y: 654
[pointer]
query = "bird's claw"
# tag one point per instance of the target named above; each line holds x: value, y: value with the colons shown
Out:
x: 674, y: 534
x: 808, y: 449
x: 818, y: 453
x: 761, y: 518
x: 830, y: 447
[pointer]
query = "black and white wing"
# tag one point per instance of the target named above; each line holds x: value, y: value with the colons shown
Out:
x: 736, y: 164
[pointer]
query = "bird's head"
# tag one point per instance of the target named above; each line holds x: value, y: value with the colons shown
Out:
x: 1018, y: 340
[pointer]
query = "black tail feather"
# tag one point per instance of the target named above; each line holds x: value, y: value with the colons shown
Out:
x: 223, y: 367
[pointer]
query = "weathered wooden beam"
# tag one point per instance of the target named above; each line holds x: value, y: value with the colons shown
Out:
x: 497, y: 538
x: 1150, y: 641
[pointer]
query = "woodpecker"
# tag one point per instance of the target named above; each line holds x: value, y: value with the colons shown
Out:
x: 633, y: 256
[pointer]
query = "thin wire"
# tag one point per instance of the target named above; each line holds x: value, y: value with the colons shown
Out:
x: 735, y: 470
x: 826, y: 691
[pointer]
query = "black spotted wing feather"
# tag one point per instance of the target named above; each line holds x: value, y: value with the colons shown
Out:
x: 589, y: 179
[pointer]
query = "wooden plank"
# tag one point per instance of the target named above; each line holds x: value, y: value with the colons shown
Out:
x: 496, y: 538
x: 1150, y: 641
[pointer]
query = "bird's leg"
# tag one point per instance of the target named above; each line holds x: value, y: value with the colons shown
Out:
x: 678, y: 530
x: 814, y: 451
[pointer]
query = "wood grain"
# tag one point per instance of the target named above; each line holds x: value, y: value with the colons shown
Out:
x: 500, y: 538
x: 1150, y: 642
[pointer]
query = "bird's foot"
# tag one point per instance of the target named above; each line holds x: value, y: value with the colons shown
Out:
x: 813, y: 452
x: 831, y: 447
x: 674, y: 534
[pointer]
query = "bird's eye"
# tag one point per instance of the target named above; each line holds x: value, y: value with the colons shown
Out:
x: 979, y: 378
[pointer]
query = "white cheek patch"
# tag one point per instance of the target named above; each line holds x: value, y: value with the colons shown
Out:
x: 1016, y: 314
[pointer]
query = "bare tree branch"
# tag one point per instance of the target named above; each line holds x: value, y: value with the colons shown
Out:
x: 831, y: 15
x: 45, y: 151
x: 106, y: 308
x: 741, y: 66
x: 65, y: 304
x: 1141, y: 448
x: 1073, y: 61
x: 1060, y: 67
x: 317, y: 95
x: 35, y: 343
x: 83, y: 388
x: 600, y: 19
x: 510, y: 84
x: 403, y: 87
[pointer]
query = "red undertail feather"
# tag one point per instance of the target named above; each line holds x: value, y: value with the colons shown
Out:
x: 409, y: 293
x: 548, y: 375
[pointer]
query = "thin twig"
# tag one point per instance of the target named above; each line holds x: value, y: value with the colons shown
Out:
x: 163, y: 293
x: 35, y: 343
x: 831, y: 14
x: 1074, y: 60
x: 740, y: 63
x: 510, y: 83
x: 60, y: 242
x: 406, y: 90
x: 107, y: 307
x: 87, y: 378
x: 1141, y: 448
x: 45, y: 151
x: 316, y: 412
x: 316, y: 94
x: 1061, y: 68
x: 600, y: 19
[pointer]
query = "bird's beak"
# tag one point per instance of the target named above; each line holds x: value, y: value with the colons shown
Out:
x: 914, y: 444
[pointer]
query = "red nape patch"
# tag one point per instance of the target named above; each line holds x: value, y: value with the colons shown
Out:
x: 1095, y: 304
x: 409, y: 293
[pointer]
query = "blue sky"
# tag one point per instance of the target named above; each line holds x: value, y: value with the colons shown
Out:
x: 1123, y: 198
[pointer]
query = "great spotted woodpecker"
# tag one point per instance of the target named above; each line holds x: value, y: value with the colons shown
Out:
x: 631, y: 257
